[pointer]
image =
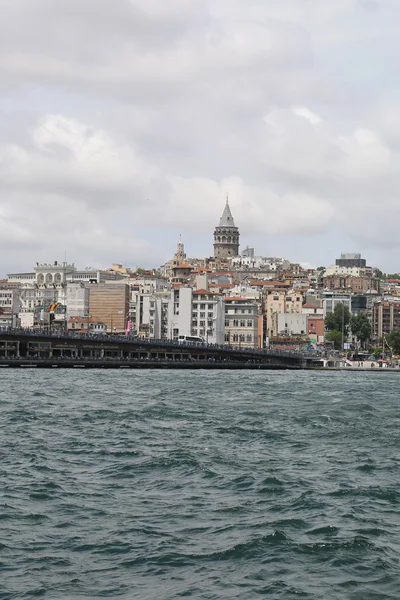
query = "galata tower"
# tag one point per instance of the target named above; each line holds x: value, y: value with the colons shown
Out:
x: 226, y: 235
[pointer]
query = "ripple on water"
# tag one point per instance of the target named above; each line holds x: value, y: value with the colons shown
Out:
x: 205, y: 485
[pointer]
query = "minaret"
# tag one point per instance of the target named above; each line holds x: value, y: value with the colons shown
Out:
x: 226, y: 235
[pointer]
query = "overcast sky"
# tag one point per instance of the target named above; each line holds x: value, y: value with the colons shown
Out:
x: 124, y: 123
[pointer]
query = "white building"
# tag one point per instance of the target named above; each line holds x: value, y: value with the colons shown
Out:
x: 180, y: 312
x: 77, y: 300
x: 196, y: 313
x: 289, y: 324
x: 208, y: 316
x: 260, y: 262
x: 353, y: 271
x: 332, y: 299
x: 148, y: 314
x: 9, y: 300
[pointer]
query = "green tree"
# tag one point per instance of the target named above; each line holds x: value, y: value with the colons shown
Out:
x: 361, y: 327
x: 335, y: 336
x: 394, y: 341
x: 338, y: 320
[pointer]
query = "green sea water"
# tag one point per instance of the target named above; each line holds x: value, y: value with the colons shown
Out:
x: 167, y: 485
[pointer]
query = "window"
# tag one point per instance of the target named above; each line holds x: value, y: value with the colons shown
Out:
x: 202, y: 315
x: 249, y: 338
x: 235, y: 323
x: 242, y: 337
x: 202, y: 306
x: 226, y: 322
x: 249, y: 323
x: 243, y: 323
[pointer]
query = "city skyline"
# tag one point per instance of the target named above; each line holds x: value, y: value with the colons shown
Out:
x: 123, y: 127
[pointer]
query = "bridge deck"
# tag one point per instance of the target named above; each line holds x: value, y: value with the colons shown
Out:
x: 19, y: 346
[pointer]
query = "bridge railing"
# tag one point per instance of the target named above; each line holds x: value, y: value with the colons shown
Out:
x: 120, y: 339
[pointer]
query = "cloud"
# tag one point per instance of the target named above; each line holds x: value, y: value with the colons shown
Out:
x: 125, y: 123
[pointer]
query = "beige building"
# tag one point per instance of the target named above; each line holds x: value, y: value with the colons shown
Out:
x: 243, y: 323
x: 385, y: 317
x: 281, y: 302
x: 109, y: 304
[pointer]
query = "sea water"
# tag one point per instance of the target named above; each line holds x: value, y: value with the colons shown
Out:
x: 205, y: 484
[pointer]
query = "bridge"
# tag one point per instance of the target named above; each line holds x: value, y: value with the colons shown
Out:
x: 24, y: 348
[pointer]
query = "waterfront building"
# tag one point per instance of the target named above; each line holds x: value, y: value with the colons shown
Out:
x: 289, y: 324
x: 148, y: 314
x: 77, y: 300
x: 85, y: 325
x: 243, y: 323
x: 226, y: 236
x: 9, y: 300
x: 208, y: 316
x: 385, y: 317
x: 180, y: 312
x: 281, y: 302
x: 316, y: 330
x: 196, y: 313
x: 109, y: 304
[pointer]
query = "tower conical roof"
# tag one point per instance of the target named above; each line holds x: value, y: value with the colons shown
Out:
x: 226, y: 219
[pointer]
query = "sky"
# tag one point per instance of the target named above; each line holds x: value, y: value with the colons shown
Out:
x: 124, y: 124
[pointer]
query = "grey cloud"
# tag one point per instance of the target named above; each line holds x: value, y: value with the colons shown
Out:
x: 119, y: 119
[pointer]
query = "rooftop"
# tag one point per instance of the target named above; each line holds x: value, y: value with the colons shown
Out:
x: 226, y: 219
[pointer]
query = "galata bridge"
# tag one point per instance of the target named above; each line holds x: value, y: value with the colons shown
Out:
x: 26, y: 349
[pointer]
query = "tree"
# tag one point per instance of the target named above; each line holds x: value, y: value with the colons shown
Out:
x: 361, y: 327
x: 394, y: 341
x: 338, y: 320
x: 335, y: 336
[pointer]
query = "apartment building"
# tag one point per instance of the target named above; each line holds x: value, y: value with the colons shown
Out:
x: 385, y: 317
x: 243, y: 323
x: 281, y: 302
x: 109, y: 304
